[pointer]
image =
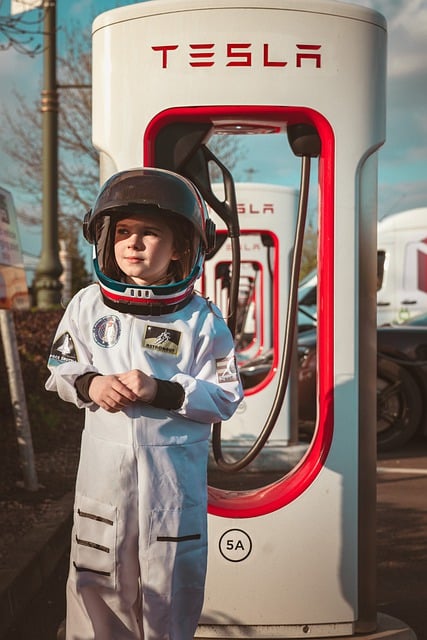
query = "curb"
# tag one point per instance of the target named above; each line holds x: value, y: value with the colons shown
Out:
x: 33, y: 561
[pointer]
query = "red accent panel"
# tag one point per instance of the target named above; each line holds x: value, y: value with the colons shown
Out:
x: 142, y: 301
x: 267, y: 499
x: 275, y: 319
x: 422, y: 268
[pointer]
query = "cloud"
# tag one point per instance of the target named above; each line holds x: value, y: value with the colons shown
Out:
x: 408, y: 42
x: 394, y: 197
x: 12, y: 62
x: 403, y: 159
x: 407, y: 29
x: 20, y: 73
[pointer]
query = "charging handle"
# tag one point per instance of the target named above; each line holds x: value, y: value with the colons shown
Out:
x: 196, y: 169
x: 304, y: 140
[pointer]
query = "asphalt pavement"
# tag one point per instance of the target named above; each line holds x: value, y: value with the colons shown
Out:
x: 401, y: 555
x: 402, y: 535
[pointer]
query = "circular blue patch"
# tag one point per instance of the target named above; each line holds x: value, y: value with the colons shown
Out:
x: 106, y: 331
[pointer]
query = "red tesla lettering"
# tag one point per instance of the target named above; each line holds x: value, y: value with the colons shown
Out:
x: 240, y: 54
x: 250, y: 208
x: 249, y: 248
x: 309, y: 56
x: 270, y: 63
x: 202, y: 54
x: 233, y: 52
x: 165, y: 48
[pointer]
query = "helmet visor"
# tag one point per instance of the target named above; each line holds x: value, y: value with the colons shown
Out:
x: 185, y: 238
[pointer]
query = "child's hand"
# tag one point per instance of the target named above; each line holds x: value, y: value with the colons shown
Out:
x: 143, y: 386
x: 110, y: 393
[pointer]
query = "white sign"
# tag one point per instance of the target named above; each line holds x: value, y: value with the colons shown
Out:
x: 13, y: 284
x: 20, y: 6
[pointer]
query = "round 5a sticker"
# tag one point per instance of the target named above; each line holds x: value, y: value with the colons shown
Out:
x: 235, y: 545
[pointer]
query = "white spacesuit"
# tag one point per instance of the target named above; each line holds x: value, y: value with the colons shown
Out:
x: 139, y: 546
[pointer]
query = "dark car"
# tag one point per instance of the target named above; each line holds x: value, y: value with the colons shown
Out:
x: 401, y: 381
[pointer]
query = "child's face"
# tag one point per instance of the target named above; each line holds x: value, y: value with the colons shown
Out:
x: 143, y: 248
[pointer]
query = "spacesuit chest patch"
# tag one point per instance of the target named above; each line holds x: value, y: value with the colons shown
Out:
x: 63, y: 350
x: 161, y: 339
x: 226, y: 370
x: 106, y: 331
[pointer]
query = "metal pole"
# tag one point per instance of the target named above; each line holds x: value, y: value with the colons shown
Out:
x: 17, y: 395
x: 48, y: 286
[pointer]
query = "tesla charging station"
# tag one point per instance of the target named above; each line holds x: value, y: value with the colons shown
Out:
x: 294, y: 558
x: 267, y: 215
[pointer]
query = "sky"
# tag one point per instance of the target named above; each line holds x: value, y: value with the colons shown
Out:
x: 402, y: 160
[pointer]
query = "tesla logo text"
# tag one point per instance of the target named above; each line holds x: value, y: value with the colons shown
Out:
x: 247, y: 247
x: 251, y: 208
x: 240, y: 54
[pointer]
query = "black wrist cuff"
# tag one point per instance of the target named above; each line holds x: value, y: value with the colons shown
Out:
x: 170, y: 395
x: 82, y: 384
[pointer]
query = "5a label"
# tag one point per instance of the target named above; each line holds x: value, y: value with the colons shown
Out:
x: 235, y: 545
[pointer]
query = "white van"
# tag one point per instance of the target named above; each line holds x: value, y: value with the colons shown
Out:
x: 402, y: 248
x: 402, y: 270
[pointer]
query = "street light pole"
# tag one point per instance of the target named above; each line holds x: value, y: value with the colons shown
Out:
x: 47, y: 284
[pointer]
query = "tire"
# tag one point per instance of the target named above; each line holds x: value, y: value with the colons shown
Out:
x: 399, y: 405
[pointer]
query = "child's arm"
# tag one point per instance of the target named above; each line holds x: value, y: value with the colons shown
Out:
x: 70, y: 356
x: 213, y: 389
x: 114, y: 392
x: 110, y: 392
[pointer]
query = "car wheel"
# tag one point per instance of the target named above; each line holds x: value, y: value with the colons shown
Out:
x: 399, y: 405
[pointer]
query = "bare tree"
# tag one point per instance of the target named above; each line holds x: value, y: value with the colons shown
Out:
x: 309, y: 253
x: 78, y: 173
x: 21, y: 32
x: 78, y: 160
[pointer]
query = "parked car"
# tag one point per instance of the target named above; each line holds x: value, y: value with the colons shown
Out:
x: 307, y: 303
x: 401, y: 381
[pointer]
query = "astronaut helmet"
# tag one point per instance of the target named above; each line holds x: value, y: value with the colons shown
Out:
x: 154, y: 192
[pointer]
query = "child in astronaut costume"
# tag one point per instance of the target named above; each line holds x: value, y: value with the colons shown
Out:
x: 153, y: 365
